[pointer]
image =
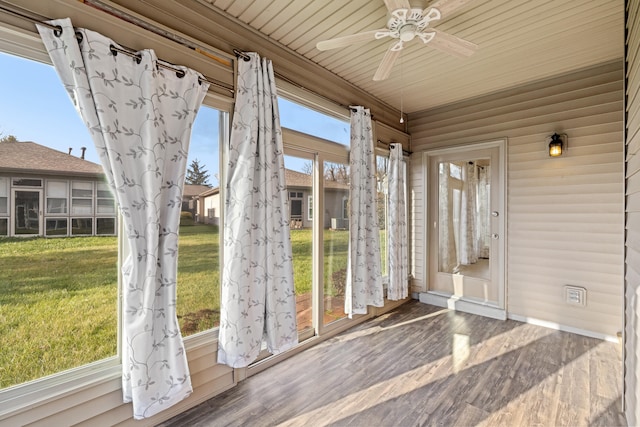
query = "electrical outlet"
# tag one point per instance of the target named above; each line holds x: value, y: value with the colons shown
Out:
x: 575, y: 295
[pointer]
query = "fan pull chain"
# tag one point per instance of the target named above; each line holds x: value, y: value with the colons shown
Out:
x: 401, y: 89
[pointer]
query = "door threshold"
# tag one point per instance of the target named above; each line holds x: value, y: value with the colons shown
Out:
x: 453, y: 302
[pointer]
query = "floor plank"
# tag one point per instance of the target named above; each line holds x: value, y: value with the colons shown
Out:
x: 423, y: 365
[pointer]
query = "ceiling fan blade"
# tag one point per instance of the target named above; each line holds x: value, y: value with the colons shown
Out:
x: 386, y: 64
x: 397, y: 4
x: 349, y: 40
x: 451, y: 44
x: 447, y: 7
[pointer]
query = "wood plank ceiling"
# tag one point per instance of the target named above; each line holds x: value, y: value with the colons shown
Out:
x: 519, y: 41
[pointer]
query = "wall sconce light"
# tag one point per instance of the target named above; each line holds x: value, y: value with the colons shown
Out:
x: 557, y: 144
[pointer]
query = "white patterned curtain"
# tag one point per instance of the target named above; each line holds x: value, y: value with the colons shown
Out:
x: 447, y: 257
x: 258, y: 296
x: 364, y: 281
x: 140, y: 120
x: 484, y: 211
x: 397, y: 226
x: 468, y: 248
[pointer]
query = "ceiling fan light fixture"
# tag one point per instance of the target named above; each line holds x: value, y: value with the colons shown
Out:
x: 407, y: 32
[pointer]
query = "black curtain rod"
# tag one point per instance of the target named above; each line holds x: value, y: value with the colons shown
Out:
x: 57, y: 30
x: 388, y: 144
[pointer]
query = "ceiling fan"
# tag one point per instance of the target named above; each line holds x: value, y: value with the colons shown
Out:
x: 405, y: 24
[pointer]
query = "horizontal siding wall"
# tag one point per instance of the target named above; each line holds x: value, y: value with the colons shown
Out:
x: 632, y: 191
x: 100, y: 403
x: 564, y: 215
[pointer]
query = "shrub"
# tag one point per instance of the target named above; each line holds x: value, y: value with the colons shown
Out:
x: 186, y: 218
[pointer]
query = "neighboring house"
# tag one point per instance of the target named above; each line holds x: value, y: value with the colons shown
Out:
x: 190, y: 194
x: 45, y: 192
x: 208, y: 206
x: 336, y: 196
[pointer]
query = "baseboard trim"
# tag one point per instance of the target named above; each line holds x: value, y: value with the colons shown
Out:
x: 456, y: 303
x: 563, y: 328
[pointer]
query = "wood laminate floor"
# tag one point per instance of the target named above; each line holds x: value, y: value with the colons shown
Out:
x: 423, y: 365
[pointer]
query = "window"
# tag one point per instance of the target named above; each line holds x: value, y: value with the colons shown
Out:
x: 303, y: 119
x: 310, y: 208
x: 4, y: 196
x: 336, y: 239
x: 301, y: 243
x: 198, y: 305
x: 57, y: 194
x: 81, y: 226
x: 382, y: 165
x: 27, y: 182
x: 81, y: 197
x: 56, y: 227
x: 105, y: 226
x: 58, y: 301
x: 105, y: 203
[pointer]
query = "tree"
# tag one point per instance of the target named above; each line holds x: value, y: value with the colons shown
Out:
x: 336, y: 172
x: 8, y: 138
x: 307, y: 168
x: 197, y: 174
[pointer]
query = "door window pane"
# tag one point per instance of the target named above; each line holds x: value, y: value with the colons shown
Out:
x: 27, y: 212
x: 336, y: 239
x: 464, y: 218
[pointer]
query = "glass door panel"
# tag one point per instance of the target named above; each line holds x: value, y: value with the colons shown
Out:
x: 27, y: 215
x: 299, y: 182
x: 336, y: 239
x: 466, y: 221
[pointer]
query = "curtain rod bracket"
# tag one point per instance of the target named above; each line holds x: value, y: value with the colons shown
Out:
x: 388, y: 144
x: 240, y: 54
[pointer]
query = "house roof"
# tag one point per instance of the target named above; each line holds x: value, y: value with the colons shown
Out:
x: 210, y: 192
x: 292, y: 179
x: 192, y: 190
x: 299, y: 179
x: 29, y: 157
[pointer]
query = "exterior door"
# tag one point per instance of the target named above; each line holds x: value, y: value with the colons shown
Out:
x: 27, y: 213
x: 466, y: 228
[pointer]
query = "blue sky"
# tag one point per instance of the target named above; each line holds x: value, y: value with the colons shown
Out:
x: 35, y: 107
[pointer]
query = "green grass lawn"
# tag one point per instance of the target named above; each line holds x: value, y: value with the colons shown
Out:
x: 58, y: 296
